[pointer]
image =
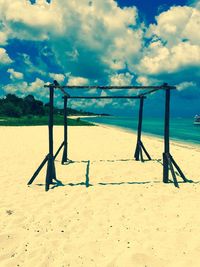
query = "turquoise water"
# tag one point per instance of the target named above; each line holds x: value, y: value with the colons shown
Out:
x: 180, y: 128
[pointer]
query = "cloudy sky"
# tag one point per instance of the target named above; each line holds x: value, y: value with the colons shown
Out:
x: 103, y: 42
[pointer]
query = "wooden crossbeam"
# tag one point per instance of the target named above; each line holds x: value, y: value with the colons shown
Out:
x: 103, y: 97
x: 56, y: 85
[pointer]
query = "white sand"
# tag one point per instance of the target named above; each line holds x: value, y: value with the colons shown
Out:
x: 132, y: 219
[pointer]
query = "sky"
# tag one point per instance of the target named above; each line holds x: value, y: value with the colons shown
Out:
x: 102, y: 42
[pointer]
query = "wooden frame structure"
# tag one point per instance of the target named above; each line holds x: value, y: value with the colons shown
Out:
x: 168, y: 162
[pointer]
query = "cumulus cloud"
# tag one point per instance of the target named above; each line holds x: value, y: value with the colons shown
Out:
x: 3, y: 38
x: 97, y: 39
x: 121, y: 79
x: 57, y: 76
x: 72, y: 80
x: 147, y: 80
x: 4, y: 57
x: 160, y: 58
x: 88, y: 39
x: 24, y: 88
x: 178, y: 24
x: 15, y: 75
x: 29, y: 22
x: 174, y: 42
x: 37, y: 85
x: 12, y: 88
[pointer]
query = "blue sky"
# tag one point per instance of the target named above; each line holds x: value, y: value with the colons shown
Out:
x: 150, y: 8
x: 102, y: 42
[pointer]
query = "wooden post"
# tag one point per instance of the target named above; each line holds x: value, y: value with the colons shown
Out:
x: 38, y: 170
x: 65, y: 150
x: 139, y: 146
x: 51, y: 173
x: 139, y: 131
x: 166, y: 137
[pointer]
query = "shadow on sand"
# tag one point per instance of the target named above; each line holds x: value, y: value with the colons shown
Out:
x: 58, y: 183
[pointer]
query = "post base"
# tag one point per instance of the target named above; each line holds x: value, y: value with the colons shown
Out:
x: 168, y: 165
x: 51, y: 172
x: 65, y: 159
x: 138, y: 152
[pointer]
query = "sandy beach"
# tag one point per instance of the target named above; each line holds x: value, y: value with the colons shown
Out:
x: 127, y: 217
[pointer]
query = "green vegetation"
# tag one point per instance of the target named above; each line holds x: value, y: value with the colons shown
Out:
x: 40, y: 120
x: 14, y: 106
x: 27, y: 111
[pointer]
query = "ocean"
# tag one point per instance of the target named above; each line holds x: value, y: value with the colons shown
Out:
x: 181, y: 129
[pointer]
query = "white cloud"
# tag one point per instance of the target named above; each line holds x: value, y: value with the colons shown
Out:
x: 15, y: 75
x: 188, y: 90
x: 56, y: 76
x: 143, y: 80
x: 77, y: 81
x: 27, y: 21
x: 177, y: 24
x: 99, y: 36
x: 3, y: 38
x: 16, y: 88
x: 161, y: 59
x: 175, y: 44
x: 24, y: 88
x: 37, y: 85
x: 146, y: 80
x: 121, y: 79
x: 4, y: 57
x: 186, y: 85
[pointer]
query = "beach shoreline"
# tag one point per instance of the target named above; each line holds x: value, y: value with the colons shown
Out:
x: 174, y: 141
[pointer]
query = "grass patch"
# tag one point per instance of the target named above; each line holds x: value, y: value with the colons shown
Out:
x: 40, y: 120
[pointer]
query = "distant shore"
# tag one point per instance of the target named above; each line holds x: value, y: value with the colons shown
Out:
x: 81, y: 116
x: 41, y: 120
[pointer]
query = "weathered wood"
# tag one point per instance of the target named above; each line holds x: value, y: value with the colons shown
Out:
x: 137, y: 152
x: 58, y: 151
x: 166, y: 137
x: 109, y: 87
x: 145, y: 151
x: 138, y: 149
x: 38, y: 170
x: 51, y: 173
x: 140, y: 120
x: 139, y: 130
x: 139, y: 145
x: 65, y: 150
x: 104, y: 97
x: 179, y: 170
x: 172, y: 171
x: 141, y: 155
x: 167, y: 115
x: 165, y: 169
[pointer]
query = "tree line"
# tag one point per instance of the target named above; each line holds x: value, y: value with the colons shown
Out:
x: 14, y: 106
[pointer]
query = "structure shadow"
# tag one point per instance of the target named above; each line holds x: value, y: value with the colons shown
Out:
x: 123, y: 183
x: 111, y: 160
x: 87, y: 179
x: 58, y: 183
